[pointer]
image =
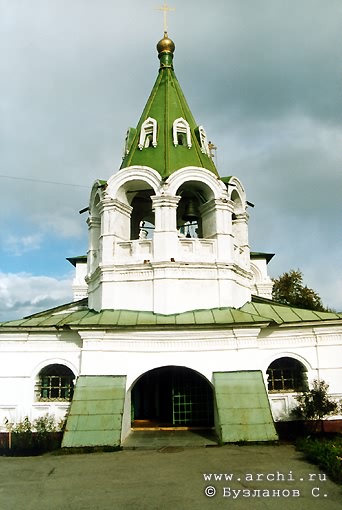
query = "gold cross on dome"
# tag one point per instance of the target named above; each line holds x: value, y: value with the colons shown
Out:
x: 165, y: 8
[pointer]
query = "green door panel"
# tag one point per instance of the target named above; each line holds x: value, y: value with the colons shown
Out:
x: 243, y: 408
x: 95, y: 415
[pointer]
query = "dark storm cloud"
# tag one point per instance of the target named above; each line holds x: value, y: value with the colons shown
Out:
x: 267, y: 58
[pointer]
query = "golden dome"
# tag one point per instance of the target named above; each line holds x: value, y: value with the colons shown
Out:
x: 165, y: 45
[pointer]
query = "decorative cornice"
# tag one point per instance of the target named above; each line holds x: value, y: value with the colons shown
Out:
x: 113, y: 204
x: 169, y: 269
x: 165, y: 200
x: 217, y: 204
x: 93, y: 221
x: 165, y: 341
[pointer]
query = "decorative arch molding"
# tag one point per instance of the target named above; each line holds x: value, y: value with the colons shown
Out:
x: 287, y: 354
x: 200, y: 175
x: 257, y: 274
x: 117, y: 183
x: 53, y: 361
x: 238, y: 195
x: 96, y: 196
x: 238, y: 186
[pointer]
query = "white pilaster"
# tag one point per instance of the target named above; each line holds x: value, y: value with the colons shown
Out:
x: 165, y: 237
x: 94, y: 228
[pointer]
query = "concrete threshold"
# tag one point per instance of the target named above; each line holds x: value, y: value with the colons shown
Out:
x: 162, y: 438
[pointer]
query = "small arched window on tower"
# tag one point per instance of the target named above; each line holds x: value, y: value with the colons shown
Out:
x: 129, y: 140
x: 203, y: 140
x: 148, y: 134
x: 181, y: 133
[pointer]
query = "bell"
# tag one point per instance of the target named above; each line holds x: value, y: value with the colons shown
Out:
x: 190, y: 211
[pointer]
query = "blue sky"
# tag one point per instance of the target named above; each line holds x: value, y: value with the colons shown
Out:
x: 262, y: 77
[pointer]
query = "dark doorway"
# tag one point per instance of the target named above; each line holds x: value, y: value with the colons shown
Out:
x: 173, y: 397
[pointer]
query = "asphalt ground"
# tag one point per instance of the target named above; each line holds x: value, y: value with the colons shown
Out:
x: 170, y: 478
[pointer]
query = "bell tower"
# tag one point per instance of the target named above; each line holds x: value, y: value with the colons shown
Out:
x: 166, y: 233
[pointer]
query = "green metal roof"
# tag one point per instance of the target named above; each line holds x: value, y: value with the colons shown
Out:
x: 257, y: 312
x: 85, y: 318
x: 262, y: 255
x: 283, y: 314
x: 79, y: 258
x: 166, y: 104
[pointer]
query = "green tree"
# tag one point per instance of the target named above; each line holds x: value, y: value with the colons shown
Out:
x: 289, y: 290
x: 315, y: 404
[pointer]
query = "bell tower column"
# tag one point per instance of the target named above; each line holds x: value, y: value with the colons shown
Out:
x: 94, y: 226
x: 241, y: 234
x: 217, y: 223
x: 115, y: 227
x: 165, y: 237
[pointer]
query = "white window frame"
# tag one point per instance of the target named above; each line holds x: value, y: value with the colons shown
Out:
x: 203, y: 140
x: 148, y: 129
x: 181, y: 126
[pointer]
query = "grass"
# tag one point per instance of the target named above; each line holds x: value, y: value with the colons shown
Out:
x: 326, y: 452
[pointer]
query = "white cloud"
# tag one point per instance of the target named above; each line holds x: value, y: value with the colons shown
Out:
x: 19, y: 245
x: 64, y: 222
x: 22, y: 294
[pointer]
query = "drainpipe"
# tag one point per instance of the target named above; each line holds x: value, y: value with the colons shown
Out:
x: 317, y: 357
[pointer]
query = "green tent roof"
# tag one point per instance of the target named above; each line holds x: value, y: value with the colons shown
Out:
x: 166, y: 104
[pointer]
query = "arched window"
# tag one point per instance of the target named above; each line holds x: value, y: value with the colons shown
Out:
x: 56, y: 382
x: 148, y: 134
x: 286, y: 374
x: 129, y: 140
x: 181, y: 133
x: 203, y: 140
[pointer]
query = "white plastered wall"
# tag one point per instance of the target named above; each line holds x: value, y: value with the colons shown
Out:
x: 134, y: 352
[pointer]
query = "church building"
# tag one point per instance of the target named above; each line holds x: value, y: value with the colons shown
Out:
x: 172, y: 324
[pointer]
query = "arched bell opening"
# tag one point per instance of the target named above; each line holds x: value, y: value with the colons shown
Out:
x: 189, y: 217
x: 239, y: 220
x: 172, y: 396
x: 137, y: 195
x: 142, y: 216
x: 189, y: 221
x: 238, y: 204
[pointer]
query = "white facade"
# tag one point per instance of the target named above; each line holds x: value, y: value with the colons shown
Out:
x: 136, y: 351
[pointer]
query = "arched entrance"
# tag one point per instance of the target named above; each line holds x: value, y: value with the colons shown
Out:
x: 172, y: 396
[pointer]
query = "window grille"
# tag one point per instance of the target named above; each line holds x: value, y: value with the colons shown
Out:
x: 56, y: 383
x: 286, y: 375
